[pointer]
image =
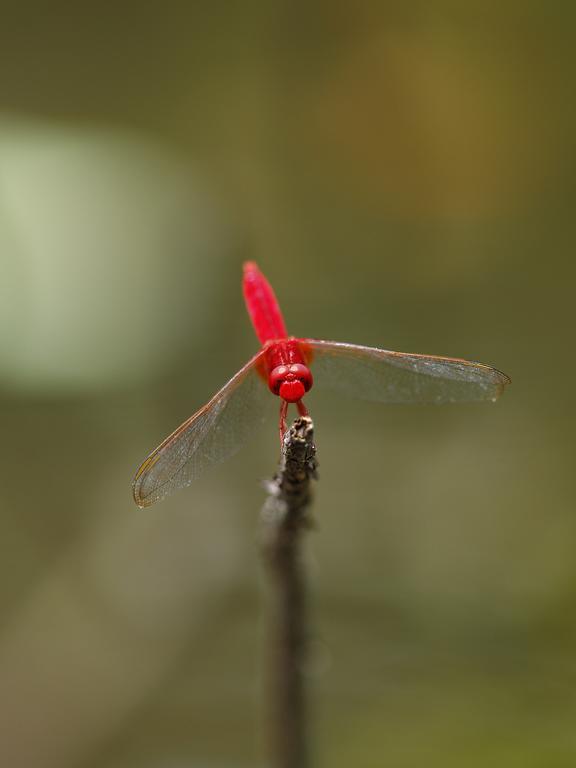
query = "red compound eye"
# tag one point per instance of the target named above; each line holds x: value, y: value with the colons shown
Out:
x: 302, y: 373
x: 277, y: 376
x: 291, y: 382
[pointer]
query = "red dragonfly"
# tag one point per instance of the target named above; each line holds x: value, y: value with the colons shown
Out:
x: 285, y: 365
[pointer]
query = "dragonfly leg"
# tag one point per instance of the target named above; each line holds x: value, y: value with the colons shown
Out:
x: 283, y: 412
x: 302, y: 410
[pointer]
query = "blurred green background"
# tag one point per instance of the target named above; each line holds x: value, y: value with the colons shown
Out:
x: 404, y: 174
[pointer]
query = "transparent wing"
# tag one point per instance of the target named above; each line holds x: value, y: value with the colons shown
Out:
x: 211, y: 435
x: 399, y: 377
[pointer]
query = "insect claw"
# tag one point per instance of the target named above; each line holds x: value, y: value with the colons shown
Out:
x: 302, y: 410
x: 283, y: 427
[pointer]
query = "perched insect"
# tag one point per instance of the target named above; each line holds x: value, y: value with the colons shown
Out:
x: 284, y: 366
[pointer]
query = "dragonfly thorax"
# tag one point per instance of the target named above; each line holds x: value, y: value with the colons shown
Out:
x: 290, y: 382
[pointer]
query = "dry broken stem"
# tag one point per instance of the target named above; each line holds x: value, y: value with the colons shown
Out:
x: 284, y: 520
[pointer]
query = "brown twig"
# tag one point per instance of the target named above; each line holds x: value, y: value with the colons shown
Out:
x: 285, y: 518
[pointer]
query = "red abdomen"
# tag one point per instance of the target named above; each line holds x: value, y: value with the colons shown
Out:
x: 262, y: 305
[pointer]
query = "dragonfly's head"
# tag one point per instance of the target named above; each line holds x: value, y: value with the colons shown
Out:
x: 290, y: 382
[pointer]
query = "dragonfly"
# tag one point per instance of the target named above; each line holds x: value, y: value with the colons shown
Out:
x: 288, y: 367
